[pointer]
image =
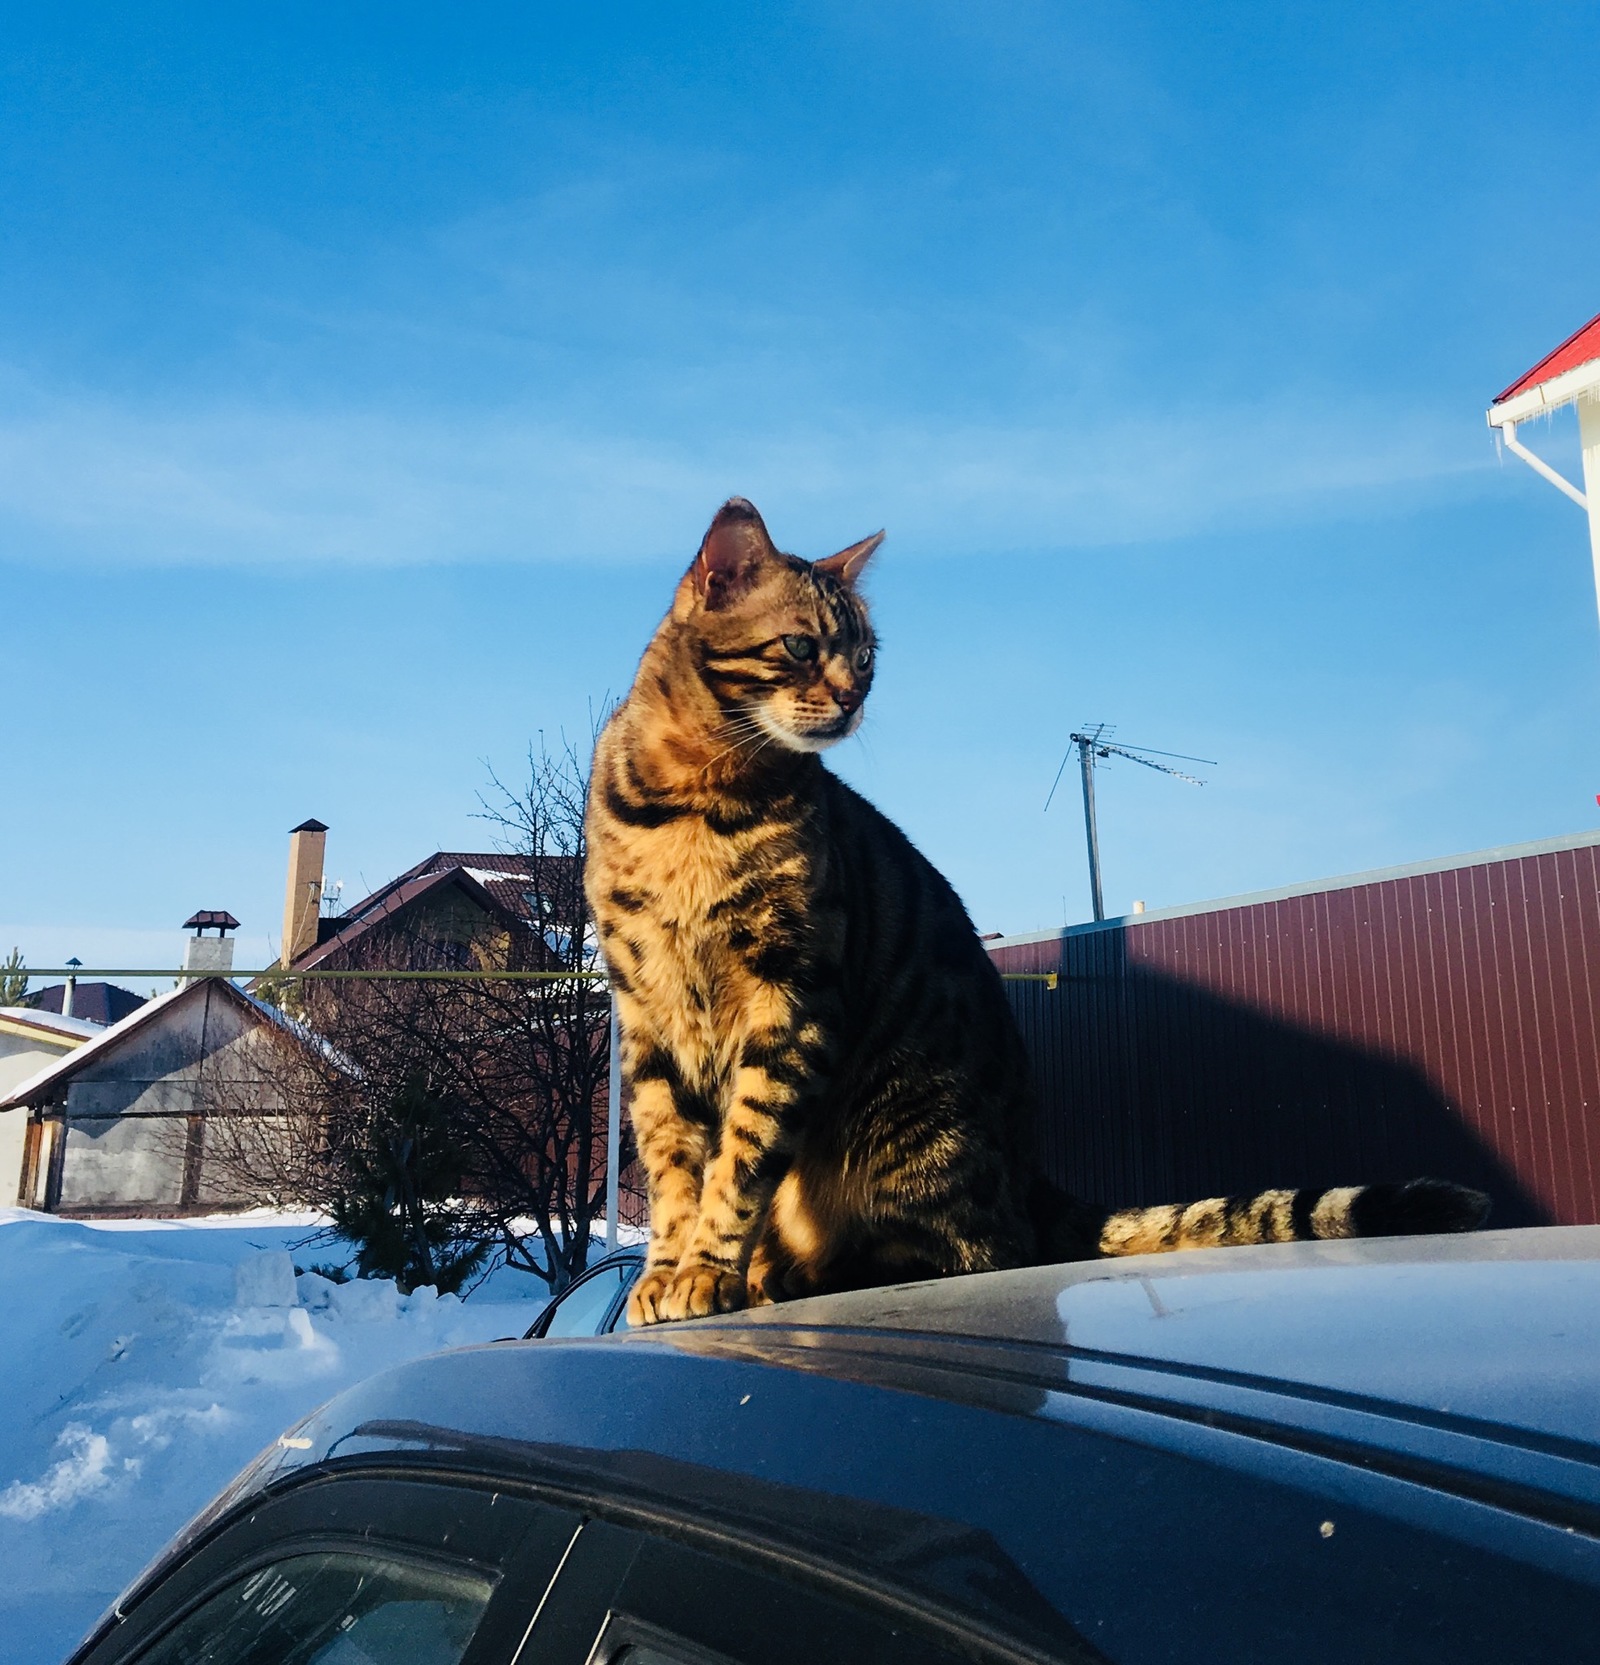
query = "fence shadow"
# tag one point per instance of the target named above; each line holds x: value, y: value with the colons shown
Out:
x: 1156, y: 1090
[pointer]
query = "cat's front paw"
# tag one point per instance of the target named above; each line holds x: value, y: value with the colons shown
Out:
x: 698, y: 1289
x: 644, y: 1304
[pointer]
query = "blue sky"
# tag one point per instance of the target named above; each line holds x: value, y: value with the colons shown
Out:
x: 367, y: 375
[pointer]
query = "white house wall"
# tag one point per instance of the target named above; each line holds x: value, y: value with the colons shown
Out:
x: 19, y: 1058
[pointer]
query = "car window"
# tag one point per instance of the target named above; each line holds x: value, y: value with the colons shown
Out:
x: 676, y: 1605
x: 630, y: 1276
x: 583, y: 1308
x: 331, y: 1609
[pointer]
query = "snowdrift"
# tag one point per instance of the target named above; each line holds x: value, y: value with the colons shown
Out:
x: 143, y: 1363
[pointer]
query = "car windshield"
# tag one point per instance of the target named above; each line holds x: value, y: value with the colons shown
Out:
x: 582, y: 1310
x: 331, y: 1609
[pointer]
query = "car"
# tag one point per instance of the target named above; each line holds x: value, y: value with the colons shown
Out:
x: 1340, y: 1451
x: 594, y: 1303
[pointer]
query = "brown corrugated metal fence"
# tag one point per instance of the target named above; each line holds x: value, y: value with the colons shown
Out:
x: 1432, y: 1023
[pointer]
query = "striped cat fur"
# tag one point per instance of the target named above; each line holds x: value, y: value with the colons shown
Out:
x: 826, y: 1083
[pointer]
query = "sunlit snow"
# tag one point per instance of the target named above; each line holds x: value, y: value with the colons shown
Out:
x: 143, y: 1363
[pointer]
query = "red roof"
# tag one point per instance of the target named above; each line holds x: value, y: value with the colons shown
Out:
x: 1577, y: 349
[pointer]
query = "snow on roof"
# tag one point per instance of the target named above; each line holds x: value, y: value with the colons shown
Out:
x: 52, y: 1023
x: 26, y: 1092
x: 1561, y: 375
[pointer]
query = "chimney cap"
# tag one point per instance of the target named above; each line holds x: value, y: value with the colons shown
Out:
x: 217, y: 919
x: 313, y: 825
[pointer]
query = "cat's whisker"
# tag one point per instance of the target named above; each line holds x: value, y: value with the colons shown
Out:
x: 744, y: 727
x: 748, y: 731
x: 744, y: 722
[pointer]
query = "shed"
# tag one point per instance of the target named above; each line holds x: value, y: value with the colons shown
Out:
x: 118, y: 1125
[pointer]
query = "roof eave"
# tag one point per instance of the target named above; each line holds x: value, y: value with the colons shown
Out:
x: 39, y: 1086
x: 1582, y: 380
x: 42, y: 1034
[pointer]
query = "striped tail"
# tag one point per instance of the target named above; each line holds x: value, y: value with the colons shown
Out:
x: 1420, y: 1206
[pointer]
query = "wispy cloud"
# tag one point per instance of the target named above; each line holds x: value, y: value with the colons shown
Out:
x: 118, y: 483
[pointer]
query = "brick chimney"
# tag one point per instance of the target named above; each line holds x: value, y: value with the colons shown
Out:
x: 302, y: 897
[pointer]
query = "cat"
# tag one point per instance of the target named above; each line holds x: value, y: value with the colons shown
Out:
x: 827, y: 1086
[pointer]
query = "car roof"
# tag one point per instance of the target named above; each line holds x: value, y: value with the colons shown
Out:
x: 950, y: 1425
x: 1498, y: 1332
x: 1499, y: 1325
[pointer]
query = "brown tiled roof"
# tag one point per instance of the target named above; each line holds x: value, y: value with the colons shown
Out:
x: 507, y: 878
x: 498, y: 883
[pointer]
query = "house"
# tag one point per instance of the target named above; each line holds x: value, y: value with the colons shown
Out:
x: 1567, y: 375
x: 30, y: 1040
x: 101, y: 1003
x: 114, y: 1121
x: 454, y: 908
x: 117, y: 1120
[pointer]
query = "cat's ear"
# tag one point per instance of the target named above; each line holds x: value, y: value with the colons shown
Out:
x: 731, y: 553
x: 848, y: 564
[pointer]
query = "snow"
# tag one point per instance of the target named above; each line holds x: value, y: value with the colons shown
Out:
x: 34, y: 1018
x: 143, y: 1363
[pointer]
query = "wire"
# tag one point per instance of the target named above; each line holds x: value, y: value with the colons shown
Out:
x: 1156, y: 752
x: 1057, y: 781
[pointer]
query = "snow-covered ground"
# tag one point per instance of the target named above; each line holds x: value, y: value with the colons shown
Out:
x: 143, y: 1363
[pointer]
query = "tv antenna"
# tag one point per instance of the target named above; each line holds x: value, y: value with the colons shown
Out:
x: 1094, y: 746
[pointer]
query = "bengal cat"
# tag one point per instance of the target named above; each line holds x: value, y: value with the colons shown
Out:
x: 827, y: 1085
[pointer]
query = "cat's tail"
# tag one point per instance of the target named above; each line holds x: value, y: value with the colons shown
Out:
x: 1070, y: 1230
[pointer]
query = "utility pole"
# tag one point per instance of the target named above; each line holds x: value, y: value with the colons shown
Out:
x: 1085, y: 747
x: 613, y: 1123
x: 1092, y: 746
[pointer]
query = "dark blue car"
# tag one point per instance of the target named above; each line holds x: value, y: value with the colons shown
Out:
x: 1356, y: 1452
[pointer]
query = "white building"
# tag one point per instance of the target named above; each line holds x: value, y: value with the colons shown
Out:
x: 117, y: 1126
x: 29, y: 1042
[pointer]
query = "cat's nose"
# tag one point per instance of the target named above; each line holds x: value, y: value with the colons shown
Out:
x: 847, y: 699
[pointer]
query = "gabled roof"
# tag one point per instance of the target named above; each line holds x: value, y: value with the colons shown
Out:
x: 1562, y: 374
x: 499, y: 884
x: 507, y: 878
x: 42, y: 1083
x: 387, y: 904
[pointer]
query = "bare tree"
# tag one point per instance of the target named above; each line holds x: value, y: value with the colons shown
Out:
x: 368, y: 1137
x: 557, y: 1032
x: 454, y: 1123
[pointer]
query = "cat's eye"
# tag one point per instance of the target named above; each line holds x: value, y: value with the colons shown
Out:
x: 864, y: 659
x: 801, y: 647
